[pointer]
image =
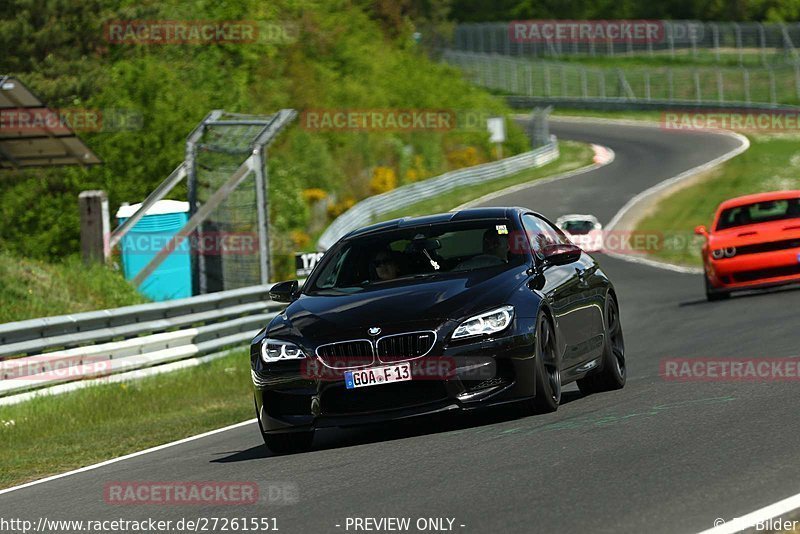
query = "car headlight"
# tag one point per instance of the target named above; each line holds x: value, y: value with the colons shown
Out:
x: 275, y: 350
x: 727, y: 252
x: 485, y: 323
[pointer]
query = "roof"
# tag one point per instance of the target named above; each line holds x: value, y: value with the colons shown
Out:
x: 159, y: 208
x: 32, y: 135
x: 461, y: 215
x: 759, y: 197
x: 577, y: 216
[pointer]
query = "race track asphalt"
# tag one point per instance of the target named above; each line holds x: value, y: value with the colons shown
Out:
x: 657, y: 456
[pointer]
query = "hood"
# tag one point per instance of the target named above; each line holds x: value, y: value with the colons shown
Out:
x: 753, y: 234
x: 398, y: 306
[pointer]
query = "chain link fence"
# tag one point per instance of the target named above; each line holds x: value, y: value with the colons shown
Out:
x: 549, y: 79
x: 743, y: 42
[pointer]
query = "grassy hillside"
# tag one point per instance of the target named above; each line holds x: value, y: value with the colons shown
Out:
x: 34, y: 288
x: 331, y: 54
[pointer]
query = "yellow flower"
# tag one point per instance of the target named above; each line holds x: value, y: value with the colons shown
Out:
x: 383, y: 179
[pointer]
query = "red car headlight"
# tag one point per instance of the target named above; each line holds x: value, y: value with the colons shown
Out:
x: 727, y: 252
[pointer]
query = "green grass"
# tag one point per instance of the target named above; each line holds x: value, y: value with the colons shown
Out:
x: 728, y: 57
x: 50, y: 435
x: 601, y: 77
x: 31, y: 288
x: 771, y: 163
x: 573, y: 156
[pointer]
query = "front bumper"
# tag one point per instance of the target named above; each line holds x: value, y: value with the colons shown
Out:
x: 751, y: 271
x: 480, y: 373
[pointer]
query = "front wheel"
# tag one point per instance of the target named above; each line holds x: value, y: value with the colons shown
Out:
x: 548, y: 368
x: 613, y: 372
x: 713, y: 296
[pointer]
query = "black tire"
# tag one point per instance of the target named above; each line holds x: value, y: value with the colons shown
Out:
x: 714, y: 296
x: 289, y: 442
x: 548, y: 368
x: 612, y: 373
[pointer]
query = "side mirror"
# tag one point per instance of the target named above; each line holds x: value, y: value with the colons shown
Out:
x: 561, y: 254
x: 284, y: 291
x: 701, y: 230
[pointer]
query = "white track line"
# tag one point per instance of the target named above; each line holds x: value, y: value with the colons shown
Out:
x: 759, y: 516
x: 127, y: 456
x: 771, y: 511
x: 780, y: 506
x: 744, y: 144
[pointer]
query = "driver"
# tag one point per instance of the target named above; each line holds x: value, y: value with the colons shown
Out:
x: 495, y: 244
x: 386, y: 267
x: 495, y: 252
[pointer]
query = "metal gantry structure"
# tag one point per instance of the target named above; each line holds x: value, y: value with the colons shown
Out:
x: 222, y: 152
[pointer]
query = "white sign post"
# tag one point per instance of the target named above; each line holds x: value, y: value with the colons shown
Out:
x: 497, y: 133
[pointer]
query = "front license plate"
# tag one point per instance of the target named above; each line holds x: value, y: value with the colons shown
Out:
x: 377, y: 375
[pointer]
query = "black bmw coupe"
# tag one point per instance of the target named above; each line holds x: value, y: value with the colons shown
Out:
x: 446, y: 312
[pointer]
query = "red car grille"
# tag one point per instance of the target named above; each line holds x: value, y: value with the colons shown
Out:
x: 761, y: 274
x: 768, y: 247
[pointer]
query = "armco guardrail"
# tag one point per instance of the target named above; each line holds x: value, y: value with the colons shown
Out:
x: 369, y: 209
x: 42, y: 352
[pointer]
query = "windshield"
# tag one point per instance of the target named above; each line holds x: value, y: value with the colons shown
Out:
x: 419, y: 252
x: 578, y: 227
x: 759, y: 212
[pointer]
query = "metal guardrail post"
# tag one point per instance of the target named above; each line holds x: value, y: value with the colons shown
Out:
x: 260, y: 171
x: 746, y: 82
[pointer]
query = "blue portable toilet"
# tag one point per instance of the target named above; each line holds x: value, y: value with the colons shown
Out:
x: 173, y: 278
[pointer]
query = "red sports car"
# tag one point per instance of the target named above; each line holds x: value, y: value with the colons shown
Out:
x: 755, y: 242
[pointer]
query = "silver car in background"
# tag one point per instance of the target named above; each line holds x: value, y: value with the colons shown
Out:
x: 583, y: 230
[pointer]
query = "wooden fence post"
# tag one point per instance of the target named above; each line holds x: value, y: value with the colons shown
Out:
x: 93, y: 207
